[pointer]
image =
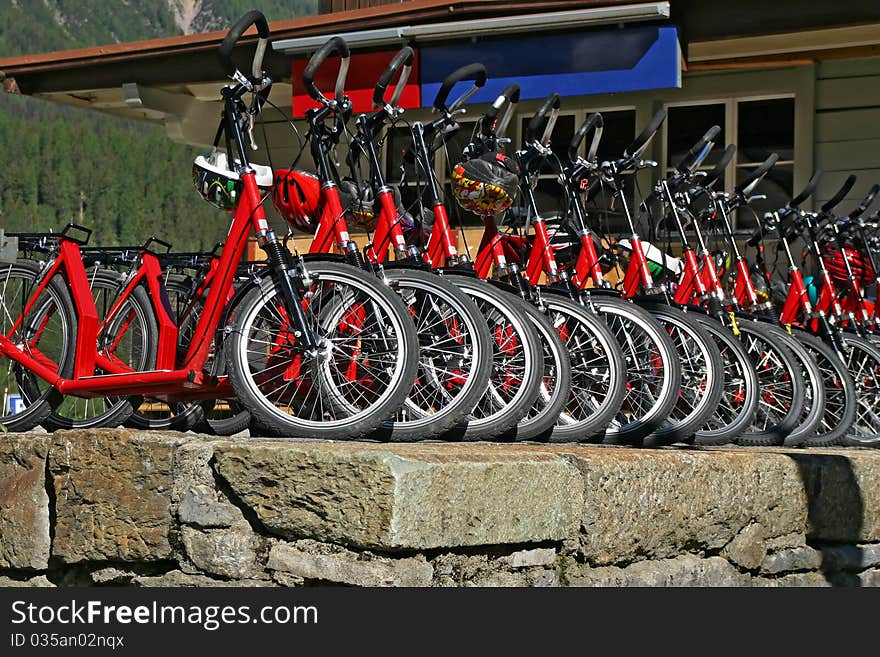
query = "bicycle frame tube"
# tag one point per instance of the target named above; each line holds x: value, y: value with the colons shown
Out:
x: 441, y: 247
x: 332, y: 228
x: 188, y: 377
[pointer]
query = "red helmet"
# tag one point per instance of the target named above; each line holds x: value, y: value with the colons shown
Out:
x: 297, y: 197
x: 860, y: 266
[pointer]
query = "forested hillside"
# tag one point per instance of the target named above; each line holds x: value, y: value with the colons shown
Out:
x: 124, y: 179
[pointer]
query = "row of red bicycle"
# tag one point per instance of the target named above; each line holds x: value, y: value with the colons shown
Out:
x: 554, y: 331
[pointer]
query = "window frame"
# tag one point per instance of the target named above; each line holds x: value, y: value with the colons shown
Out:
x: 731, y: 130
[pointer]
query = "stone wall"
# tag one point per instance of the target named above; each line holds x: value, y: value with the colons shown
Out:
x: 110, y: 507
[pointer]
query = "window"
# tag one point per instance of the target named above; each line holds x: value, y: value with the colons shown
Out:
x: 765, y: 127
x: 758, y: 127
x: 618, y: 132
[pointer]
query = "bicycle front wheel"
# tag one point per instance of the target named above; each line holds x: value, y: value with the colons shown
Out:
x: 455, y: 357
x: 863, y: 362
x: 357, y: 373
x: 517, y: 361
x: 702, y: 376
x: 47, y: 331
x: 653, y: 371
x: 840, y: 402
x: 739, y: 397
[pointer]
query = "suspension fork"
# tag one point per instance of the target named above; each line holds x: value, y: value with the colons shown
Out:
x: 586, y: 268
x: 797, y: 300
x: 281, y: 265
x: 388, y: 229
x: 441, y: 249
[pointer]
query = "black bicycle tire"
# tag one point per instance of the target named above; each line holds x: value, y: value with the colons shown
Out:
x: 513, y: 308
x: 361, y: 424
x: 773, y: 434
x: 40, y: 408
x: 634, y: 432
x: 452, y: 416
x: 592, y: 429
x: 733, y: 352
x: 685, y: 430
x: 843, y: 381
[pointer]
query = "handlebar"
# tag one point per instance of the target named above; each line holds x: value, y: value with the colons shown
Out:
x: 541, y: 119
x: 840, y: 195
x: 335, y: 46
x: 475, y: 71
x: 592, y: 122
x: 698, y: 151
x: 807, y: 191
x: 755, y: 177
x: 720, y: 166
x: 235, y: 33
x: 404, y: 60
x: 636, y: 148
x: 866, y: 203
x: 510, y: 95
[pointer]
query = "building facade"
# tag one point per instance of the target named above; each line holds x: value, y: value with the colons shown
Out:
x: 800, y: 79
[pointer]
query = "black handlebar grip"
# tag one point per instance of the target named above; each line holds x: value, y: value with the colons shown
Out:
x: 642, y: 140
x: 403, y: 58
x: 592, y: 121
x: 552, y: 102
x: 840, y: 195
x: 475, y: 71
x: 866, y: 203
x: 807, y: 191
x: 509, y: 95
x: 689, y: 158
x: 253, y: 17
x: 758, y: 173
x: 720, y: 166
x: 335, y: 46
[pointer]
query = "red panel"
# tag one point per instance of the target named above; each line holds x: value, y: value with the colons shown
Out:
x: 363, y: 72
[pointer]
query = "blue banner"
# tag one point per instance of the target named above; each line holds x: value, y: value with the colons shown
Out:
x: 574, y: 64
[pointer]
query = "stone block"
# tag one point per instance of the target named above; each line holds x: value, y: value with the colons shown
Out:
x: 24, y: 502
x: 113, y: 491
x: 346, y: 567
x: 414, y: 496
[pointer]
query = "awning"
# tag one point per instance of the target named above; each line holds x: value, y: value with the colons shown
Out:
x: 529, y: 50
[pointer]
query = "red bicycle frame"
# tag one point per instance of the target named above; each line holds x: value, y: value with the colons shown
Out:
x: 170, y: 379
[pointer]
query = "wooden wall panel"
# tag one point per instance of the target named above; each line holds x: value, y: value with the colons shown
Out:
x: 847, y: 126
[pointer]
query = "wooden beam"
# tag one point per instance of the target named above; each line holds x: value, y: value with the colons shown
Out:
x: 785, y: 43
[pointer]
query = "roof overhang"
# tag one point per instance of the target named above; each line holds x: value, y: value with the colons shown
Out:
x: 540, y: 22
x: 805, y: 45
x: 176, y: 81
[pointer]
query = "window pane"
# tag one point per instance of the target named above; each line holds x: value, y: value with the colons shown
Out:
x: 765, y: 126
x: 563, y: 131
x: 776, y: 186
x: 686, y: 125
x: 619, y: 129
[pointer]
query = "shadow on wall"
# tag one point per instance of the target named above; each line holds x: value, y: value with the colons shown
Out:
x: 835, y: 513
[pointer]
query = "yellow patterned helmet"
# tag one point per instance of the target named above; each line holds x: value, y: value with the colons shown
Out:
x: 486, y: 185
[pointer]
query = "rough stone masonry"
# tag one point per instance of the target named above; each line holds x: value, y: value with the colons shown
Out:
x: 120, y: 507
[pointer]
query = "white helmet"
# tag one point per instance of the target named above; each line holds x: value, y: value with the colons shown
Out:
x: 219, y: 184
